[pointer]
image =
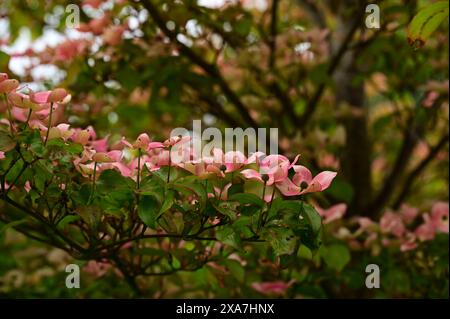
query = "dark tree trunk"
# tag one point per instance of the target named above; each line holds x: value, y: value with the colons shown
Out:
x: 356, y: 157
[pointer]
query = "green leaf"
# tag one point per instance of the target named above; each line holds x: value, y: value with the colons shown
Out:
x: 128, y: 77
x: 227, y: 209
x: 67, y: 220
x: 148, y: 210
x: 312, y: 217
x: 336, y: 256
x: 282, y: 240
x: 192, y: 185
x: 426, y: 21
x: 168, y: 202
x: 12, y: 225
x: 236, y: 269
x: 6, y: 142
x: 247, y: 199
x: 228, y: 235
x: 74, y: 148
x: 4, y: 61
x: 176, y: 264
x: 152, y: 185
x: 115, y: 191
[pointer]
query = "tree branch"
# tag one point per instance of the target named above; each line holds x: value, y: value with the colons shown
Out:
x: 314, y: 11
x: 409, y: 142
x: 210, y: 69
x: 273, y: 33
x: 334, y: 63
x: 419, y: 169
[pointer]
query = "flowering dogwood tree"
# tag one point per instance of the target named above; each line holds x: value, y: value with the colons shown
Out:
x: 87, y: 160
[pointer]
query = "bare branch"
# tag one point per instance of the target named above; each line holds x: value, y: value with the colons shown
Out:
x: 409, y: 181
x: 210, y: 69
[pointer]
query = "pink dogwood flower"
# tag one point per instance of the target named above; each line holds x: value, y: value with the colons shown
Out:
x: 333, y: 213
x: 23, y: 101
x: 439, y: 216
x: 176, y: 140
x: 112, y: 35
x: 392, y: 223
x: 62, y: 131
x: 408, y: 242
x: 93, y: 3
x: 408, y: 213
x: 109, y: 157
x: 232, y: 160
x: 221, y: 194
x: 57, y: 95
x: 426, y: 231
x: 199, y: 168
x: 303, y: 178
x: 143, y: 142
x: 272, y: 288
x: 100, y: 145
x: 83, y: 136
x: 276, y: 168
x: 8, y: 85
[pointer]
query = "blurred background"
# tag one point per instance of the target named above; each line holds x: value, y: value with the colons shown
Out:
x: 368, y: 101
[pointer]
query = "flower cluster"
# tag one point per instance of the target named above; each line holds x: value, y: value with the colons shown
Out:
x: 272, y: 171
x: 404, y: 229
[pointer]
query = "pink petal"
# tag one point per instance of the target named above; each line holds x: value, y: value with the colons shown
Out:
x: 324, y: 179
x: 251, y: 174
x: 287, y: 187
x: 7, y: 86
x: 294, y: 161
x: 218, y: 155
x: 313, y: 187
x: 234, y: 160
x: 40, y: 97
x: 19, y: 114
x: 333, y: 213
x: 3, y: 77
x: 100, y: 145
x: 123, y: 169
x: 142, y: 141
x: 116, y: 156
x: 302, y: 174
x: 439, y: 216
x: 153, y: 145
x: 269, y: 288
x: 255, y: 158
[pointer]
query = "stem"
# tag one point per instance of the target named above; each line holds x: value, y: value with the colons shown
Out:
x: 170, y: 164
x: 131, y: 281
x: 264, y: 190
x: 49, y: 125
x: 261, y: 213
x: 93, y: 183
x: 139, y: 169
x: 266, y: 213
x: 28, y: 117
x: 271, y: 198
